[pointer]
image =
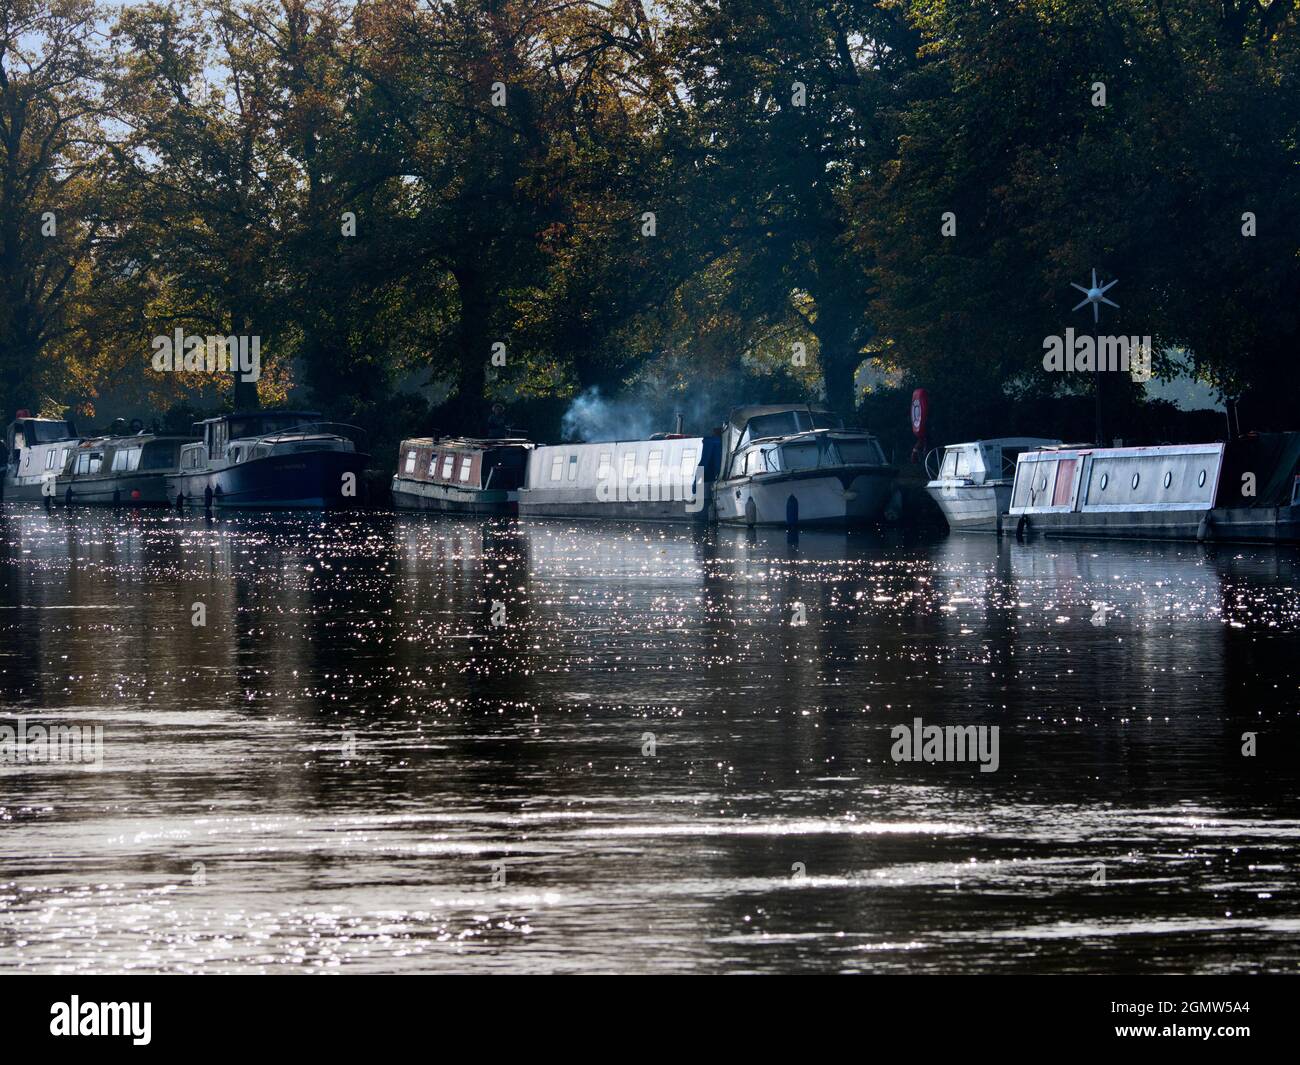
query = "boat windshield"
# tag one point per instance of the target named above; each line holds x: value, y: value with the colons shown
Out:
x: 264, y: 424
x: 45, y: 432
x: 810, y: 454
x: 789, y: 422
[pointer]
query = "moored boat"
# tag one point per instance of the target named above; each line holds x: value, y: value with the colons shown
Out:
x: 1246, y: 490
x: 798, y: 465
x: 461, y: 474
x: 37, y: 449
x: 665, y: 478
x: 269, y: 459
x: 121, y: 470
x: 971, y: 483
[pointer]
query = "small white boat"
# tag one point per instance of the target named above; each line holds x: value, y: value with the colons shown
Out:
x: 797, y: 465
x: 37, y: 450
x: 972, y: 484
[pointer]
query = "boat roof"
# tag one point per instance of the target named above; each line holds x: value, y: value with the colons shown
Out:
x: 132, y: 438
x: 467, y: 441
x: 740, y: 416
x: 312, y: 415
x: 1008, y: 441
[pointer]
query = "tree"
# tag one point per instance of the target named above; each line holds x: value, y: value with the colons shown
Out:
x: 50, y: 181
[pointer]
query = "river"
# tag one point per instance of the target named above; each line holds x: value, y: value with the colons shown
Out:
x: 375, y: 742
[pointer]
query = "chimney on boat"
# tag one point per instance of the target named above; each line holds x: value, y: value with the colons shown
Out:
x: 677, y: 425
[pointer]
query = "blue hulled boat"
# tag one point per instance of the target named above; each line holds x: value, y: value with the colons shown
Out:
x: 270, y: 458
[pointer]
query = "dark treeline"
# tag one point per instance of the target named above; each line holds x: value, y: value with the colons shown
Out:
x: 696, y: 201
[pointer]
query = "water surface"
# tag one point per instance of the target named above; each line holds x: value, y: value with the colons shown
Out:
x: 647, y: 764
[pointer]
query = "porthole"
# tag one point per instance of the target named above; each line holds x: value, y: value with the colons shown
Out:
x: 1042, y: 485
x: 1105, y: 480
x: 1200, y: 481
x: 1136, y: 478
x: 1169, y: 478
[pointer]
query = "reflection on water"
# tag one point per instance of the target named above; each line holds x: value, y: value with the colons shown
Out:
x: 648, y: 764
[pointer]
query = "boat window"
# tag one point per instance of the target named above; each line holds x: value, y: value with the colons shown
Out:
x: 50, y: 456
x: 127, y: 458
x: 800, y: 456
x: 949, y: 465
x: 783, y: 424
x: 629, y: 465
x: 43, y: 432
x: 410, y: 462
x: 866, y: 452
x: 963, y: 464
x: 63, y: 461
x: 27, y: 459
x: 1105, y: 480
x: 654, y: 467
x: 447, y: 462
x: 688, y: 464
x: 605, y: 466
x: 823, y: 420
x: 465, y: 464
x: 1136, y: 477
x: 754, y: 461
x: 83, y: 463
x: 1169, y: 478
x: 159, y: 455
x: 557, y: 467
x: 433, y: 464
x: 96, y: 460
x: 573, y: 467
x: 1200, y: 481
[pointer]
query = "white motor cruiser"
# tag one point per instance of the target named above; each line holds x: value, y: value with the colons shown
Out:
x: 972, y: 483
x: 799, y: 465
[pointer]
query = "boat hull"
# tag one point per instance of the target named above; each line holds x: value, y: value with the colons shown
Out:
x: 853, y: 497
x: 312, y: 480
x: 409, y: 494
x: 135, y: 490
x: 28, y: 490
x: 585, y: 509
x: 971, y: 507
x: 1220, y: 525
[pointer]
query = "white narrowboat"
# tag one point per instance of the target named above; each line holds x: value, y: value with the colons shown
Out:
x: 972, y: 481
x: 798, y: 465
x: 1245, y: 490
x: 666, y: 478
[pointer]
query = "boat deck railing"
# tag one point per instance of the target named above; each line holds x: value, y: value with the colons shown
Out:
x: 309, y: 429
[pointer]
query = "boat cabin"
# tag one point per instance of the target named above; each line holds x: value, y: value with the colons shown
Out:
x: 464, y: 462
x: 985, y: 461
x: 776, y: 439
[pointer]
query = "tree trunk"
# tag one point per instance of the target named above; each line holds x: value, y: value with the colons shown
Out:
x: 474, y: 350
x: 245, y: 392
x: 840, y: 360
